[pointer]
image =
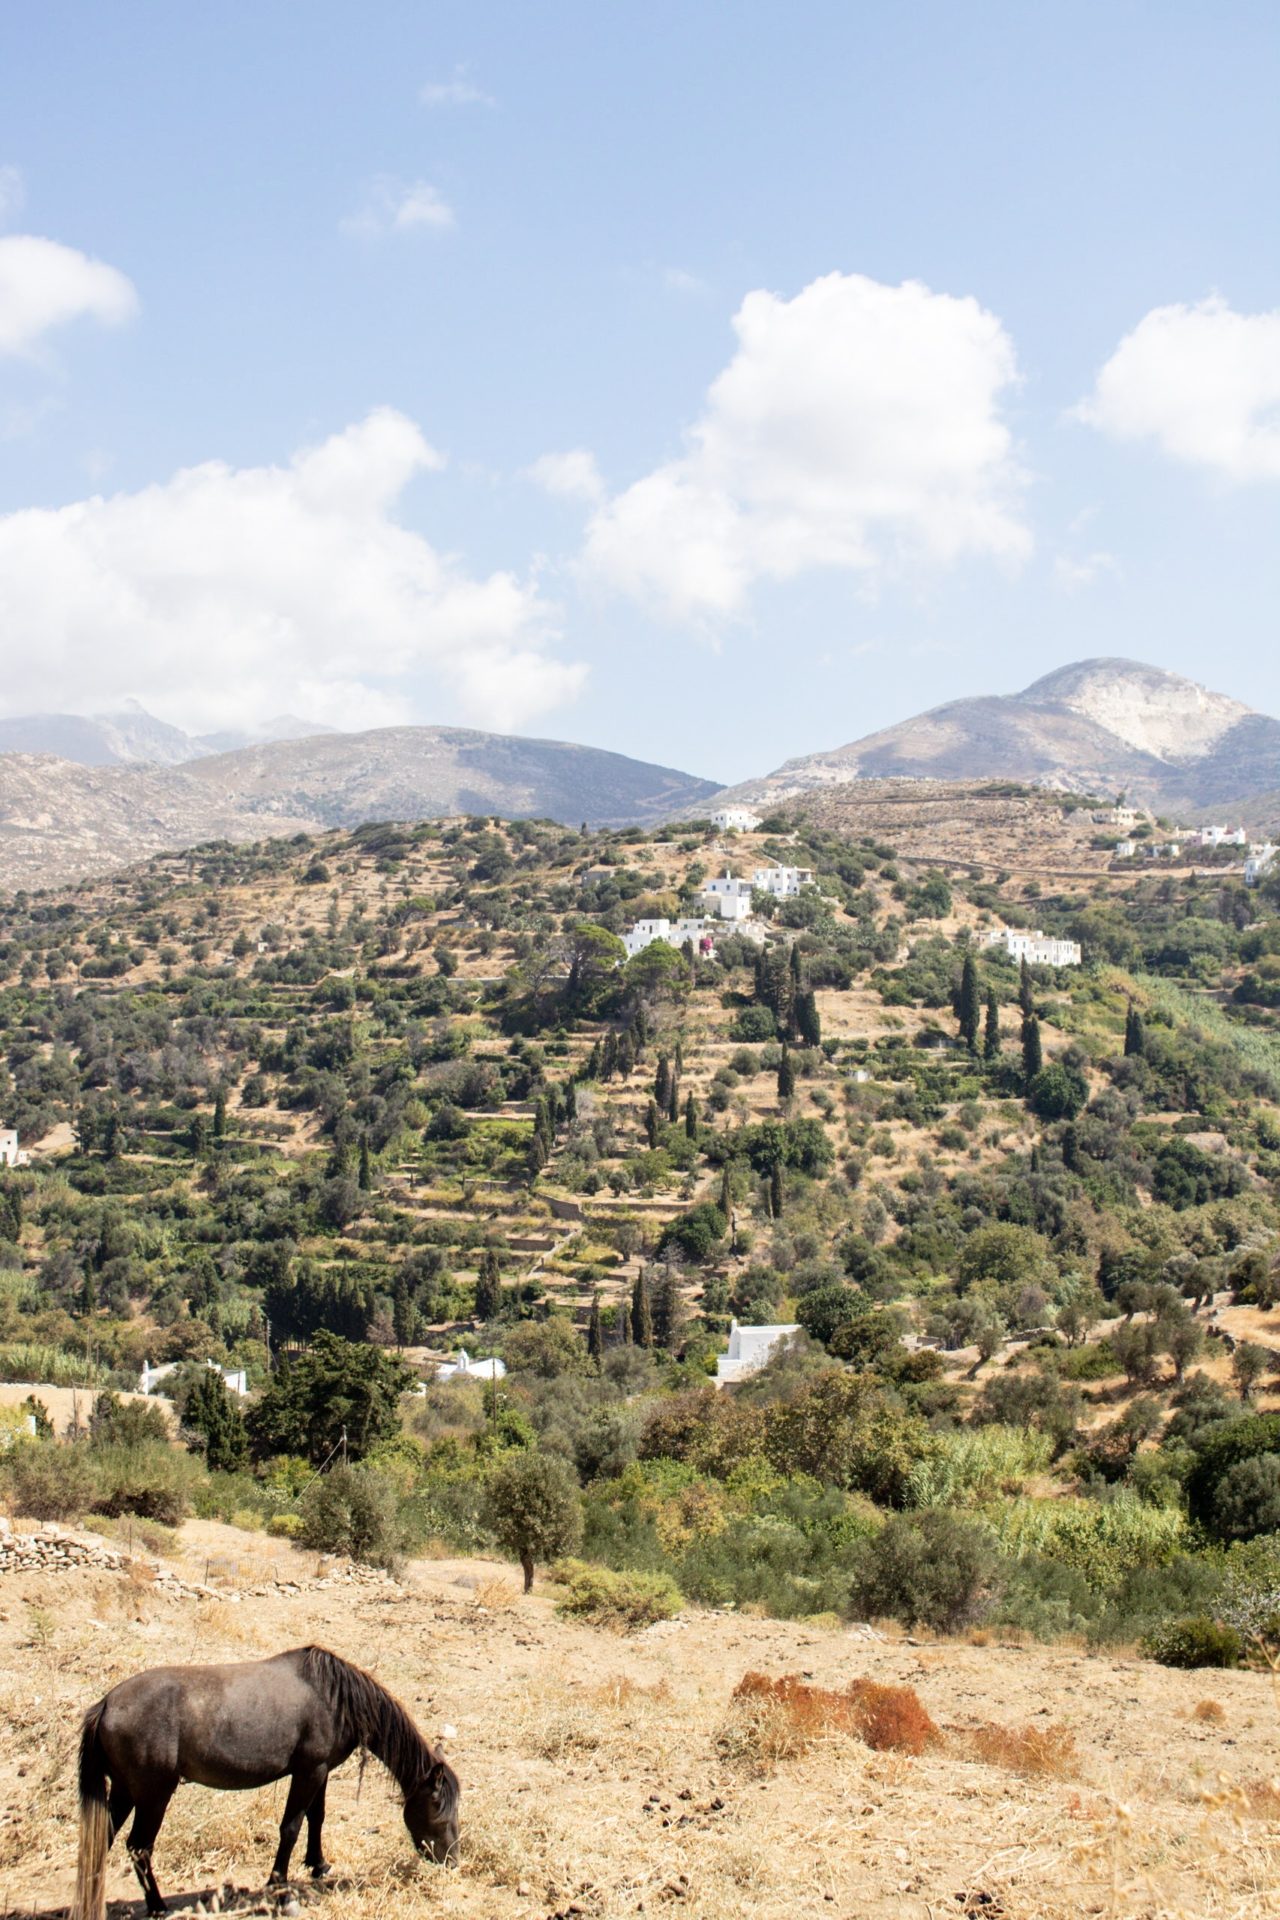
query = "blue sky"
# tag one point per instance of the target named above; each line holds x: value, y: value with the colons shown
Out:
x: 712, y: 383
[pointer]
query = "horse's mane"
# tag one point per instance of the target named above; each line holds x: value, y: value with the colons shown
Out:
x: 370, y: 1717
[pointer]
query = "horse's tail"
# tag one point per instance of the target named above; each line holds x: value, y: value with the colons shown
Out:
x: 95, y: 1823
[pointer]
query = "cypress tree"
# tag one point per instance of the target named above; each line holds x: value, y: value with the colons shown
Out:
x: 595, y: 1329
x: 662, y: 1082
x: 199, y: 1136
x: 1070, y: 1149
x: 211, y: 1411
x: 1025, y: 1000
x: 1032, y: 1053
x: 786, y: 1075
x: 609, y: 1060
x: 651, y: 1123
x: 570, y: 1101
x: 761, y: 978
x: 624, y: 1324
x: 641, y: 1311
x: 1135, y: 1037
x: 691, y: 1118
x: 596, y: 1062
x: 677, y: 1063
x: 673, y: 1100
x: 488, y: 1285
x: 726, y: 1191
x: 668, y: 1310
x: 969, y: 1004
x: 796, y: 965
x: 626, y: 1054
x: 808, y: 1020
x: 366, y: 1166
x: 775, y: 1190
x: 991, y: 1035
x: 220, y: 1114
x: 402, y: 1313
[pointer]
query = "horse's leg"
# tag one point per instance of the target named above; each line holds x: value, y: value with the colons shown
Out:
x: 142, y: 1837
x: 314, y: 1859
x: 119, y: 1807
x: 303, y: 1787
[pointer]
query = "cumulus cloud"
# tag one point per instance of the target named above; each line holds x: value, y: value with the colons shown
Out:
x: 226, y: 595
x: 44, y: 285
x: 1203, y: 383
x: 857, y: 426
x: 570, y: 476
x: 399, y: 206
x: 456, y: 92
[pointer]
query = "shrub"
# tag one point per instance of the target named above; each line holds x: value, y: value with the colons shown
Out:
x: 154, y: 1482
x: 1246, y: 1500
x: 927, y: 1569
x: 778, y: 1719
x: 1047, y: 1750
x: 352, y: 1510
x: 621, y: 1601
x: 1198, y: 1642
x: 49, y: 1482
x: 1223, y: 1448
x: 286, y: 1526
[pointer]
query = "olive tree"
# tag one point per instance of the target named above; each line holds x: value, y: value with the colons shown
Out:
x: 533, y: 1509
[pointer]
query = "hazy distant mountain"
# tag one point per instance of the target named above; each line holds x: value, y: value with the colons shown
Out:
x: 1098, y: 726
x: 131, y: 736
x: 58, y: 821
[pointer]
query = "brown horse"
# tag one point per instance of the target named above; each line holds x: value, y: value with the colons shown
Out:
x: 302, y: 1713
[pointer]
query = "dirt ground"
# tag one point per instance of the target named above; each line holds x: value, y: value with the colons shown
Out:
x: 595, y: 1782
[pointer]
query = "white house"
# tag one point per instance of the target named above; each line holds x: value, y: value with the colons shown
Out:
x: 234, y: 1379
x: 1126, y: 849
x: 735, y: 820
x: 11, y: 1154
x: 1036, y: 948
x: 750, y: 1348
x: 1218, y: 837
x: 1259, y: 863
x: 727, y: 897
x: 467, y: 1368
x: 675, y: 932
x: 782, y: 882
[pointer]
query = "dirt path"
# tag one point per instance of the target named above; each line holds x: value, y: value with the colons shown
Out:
x: 594, y: 1784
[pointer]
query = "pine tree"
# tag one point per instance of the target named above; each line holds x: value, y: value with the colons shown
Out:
x: 595, y: 1329
x: 969, y: 1004
x: 219, y: 1114
x: 775, y: 1190
x: 691, y: 1118
x: 1025, y: 1000
x: 1032, y: 1052
x: 991, y: 1034
x: 366, y: 1165
x: 488, y: 1285
x: 786, y: 1075
x: 1135, y: 1036
x: 641, y: 1311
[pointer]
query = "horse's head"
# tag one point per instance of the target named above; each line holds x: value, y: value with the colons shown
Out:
x: 431, y: 1814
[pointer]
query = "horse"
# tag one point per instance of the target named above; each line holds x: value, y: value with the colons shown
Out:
x: 301, y: 1713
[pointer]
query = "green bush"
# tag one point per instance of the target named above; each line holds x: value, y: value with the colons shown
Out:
x: 1197, y: 1642
x: 1223, y: 1448
x: 153, y: 1481
x: 927, y: 1569
x: 353, y: 1510
x: 46, y: 1481
x: 286, y: 1526
x: 622, y: 1601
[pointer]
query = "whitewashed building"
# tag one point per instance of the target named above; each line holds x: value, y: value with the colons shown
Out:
x: 1218, y: 837
x: 675, y: 932
x: 784, y: 883
x: 234, y: 1379
x: 1036, y: 948
x: 11, y: 1154
x: 1258, y: 864
x: 750, y: 1348
x: 462, y: 1366
x: 727, y: 897
x: 735, y: 820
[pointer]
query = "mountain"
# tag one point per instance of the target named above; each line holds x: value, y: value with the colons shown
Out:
x: 1097, y: 726
x: 130, y: 736
x: 60, y: 820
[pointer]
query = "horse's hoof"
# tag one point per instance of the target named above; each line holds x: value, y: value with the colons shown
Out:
x: 323, y: 1872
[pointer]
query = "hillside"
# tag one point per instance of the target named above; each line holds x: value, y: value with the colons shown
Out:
x: 130, y: 735
x: 60, y: 820
x: 600, y: 1777
x: 1098, y: 726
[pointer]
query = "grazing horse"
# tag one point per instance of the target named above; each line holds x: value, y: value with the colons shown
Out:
x: 302, y: 1713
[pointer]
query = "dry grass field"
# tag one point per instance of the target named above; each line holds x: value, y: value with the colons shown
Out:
x: 605, y: 1777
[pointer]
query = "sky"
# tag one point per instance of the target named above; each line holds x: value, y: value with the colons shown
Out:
x: 714, y: 383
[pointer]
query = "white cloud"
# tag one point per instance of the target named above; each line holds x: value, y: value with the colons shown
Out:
x: 570, y: 476
x: 679, y: 280
x: 1074, y: 575
x: 398, y: 206
x: 226, y: 595
x: 456, y: 92
x: 45, y: 285
x: 857, y: 426
x: 13, y: 192
x: 1203, y: 382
